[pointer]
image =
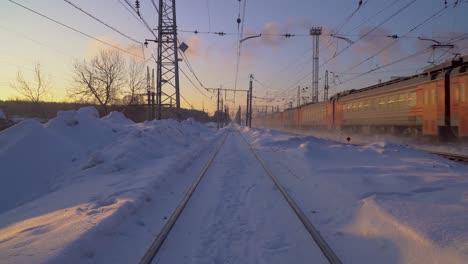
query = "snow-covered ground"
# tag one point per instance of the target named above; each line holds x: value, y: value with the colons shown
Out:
x: 83, y: 189
x: 376, y: 203
x: 237, y: 215
x: 78, y: 183
x: 423, y: 143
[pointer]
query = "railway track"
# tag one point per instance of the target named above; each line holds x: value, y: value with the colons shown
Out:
x: 452, y: 156
x: 322, y: 245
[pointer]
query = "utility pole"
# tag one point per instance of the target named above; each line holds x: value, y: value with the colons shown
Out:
x: 251, y: 99
x: 221, y: 110
x: 247, y: 109
x: 168, y: 58
x: 148, y: 90
x: 217, y: 112
x: 298, y: 96
x: 153, y: 93
x: 315, y: 32
x: 326, y: 88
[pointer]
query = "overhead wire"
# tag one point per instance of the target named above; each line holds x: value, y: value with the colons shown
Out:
x: 74, y: 29
x: 396, y: 40
x: 102, y: 22
x: 360, y: 38
x: 141, y: 17
x: 194, y: 85
x: 208, y: 14
x: 239, y: 47
x: 387, y: 65
x: 130, y: 11
x: 155, y: 6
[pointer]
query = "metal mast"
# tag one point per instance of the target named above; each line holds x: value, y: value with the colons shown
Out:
x: 315, y: 32
x: 168, y: 58
x: 325, y: 90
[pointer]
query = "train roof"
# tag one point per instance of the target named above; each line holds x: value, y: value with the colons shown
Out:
x: 433, y: 71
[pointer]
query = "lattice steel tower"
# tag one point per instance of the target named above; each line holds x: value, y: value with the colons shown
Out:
x: 168, y: 59
x: 315, y: 32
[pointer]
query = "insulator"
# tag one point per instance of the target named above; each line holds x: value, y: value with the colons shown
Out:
x: 137, y: 4
x: 239, y: 20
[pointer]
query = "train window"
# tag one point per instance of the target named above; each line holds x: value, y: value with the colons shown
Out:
x: 463, y: 93
x: 433, y: 96
x: 402, y: 97
x: 412, y: 99
x: 426, y: 97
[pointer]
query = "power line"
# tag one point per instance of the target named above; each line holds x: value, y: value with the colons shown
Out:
x: 361, y: 37
x: 388, y: 64
x: 141, y: 17
x: 131, y: 13
x: 194, y: 85
x: 376, y: 14
x: 185, y: 100
x: 189, y: 66
x: 102, y: 22
x: 155, y: 6
x: 239, y: 47
x: 340, y: 26
x: 396, y: 40
x: 370, y: 31
x: 76, y: 30
x: 37, y: 42
x: 209, y: 14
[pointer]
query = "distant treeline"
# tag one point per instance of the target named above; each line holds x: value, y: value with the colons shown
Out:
x: 47, y: 110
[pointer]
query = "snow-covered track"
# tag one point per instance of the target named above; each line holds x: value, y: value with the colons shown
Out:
x: 157, y: 243
x: 322, y: 244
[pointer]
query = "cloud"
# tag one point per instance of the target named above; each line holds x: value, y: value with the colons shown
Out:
x: 94, y: 47
x: 375, y: 42
x: 195, y: 46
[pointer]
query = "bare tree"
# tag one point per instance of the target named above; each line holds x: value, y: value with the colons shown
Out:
x: 135, y: 82
x: 33, y: 91
x: 99, y: 80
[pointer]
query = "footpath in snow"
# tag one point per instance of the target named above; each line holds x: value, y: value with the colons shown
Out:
x: 84, y: 189
x: 377, y: 203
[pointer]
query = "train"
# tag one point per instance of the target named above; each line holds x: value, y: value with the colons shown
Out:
x: 432, y: 104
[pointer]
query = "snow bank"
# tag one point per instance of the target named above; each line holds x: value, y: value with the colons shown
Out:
x: 375, y: 203
x: 65, y: 178
x: 116, y: 117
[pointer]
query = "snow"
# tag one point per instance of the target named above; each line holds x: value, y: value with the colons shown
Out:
x: 84, y: 189
x: 2, y: 114
x: 376, y: 203
x: 236, y: 215
x: 69, y: 180
x: 422, y: 143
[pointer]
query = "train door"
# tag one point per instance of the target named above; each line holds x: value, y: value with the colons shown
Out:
x: 460, y: 106
x: 330, y: 108
x: 430, y: 108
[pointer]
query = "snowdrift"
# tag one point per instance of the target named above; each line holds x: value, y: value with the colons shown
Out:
x: 78, y: 173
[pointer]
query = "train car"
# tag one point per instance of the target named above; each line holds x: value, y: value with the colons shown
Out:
x: 313, y: 116
x: 459, y: 102
x: 388, y: 107
x: 291, y: 119
x: 273, y: 121
x: 433, y: 104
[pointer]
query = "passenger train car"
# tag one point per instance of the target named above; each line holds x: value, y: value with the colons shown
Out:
x: 433, y: 103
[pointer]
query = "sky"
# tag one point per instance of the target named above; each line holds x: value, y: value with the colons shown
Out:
x: 280, y: 65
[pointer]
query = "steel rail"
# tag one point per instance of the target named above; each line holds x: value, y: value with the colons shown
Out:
x: 451, y: 156
x: 157, y: 243
x: 322, y: 244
